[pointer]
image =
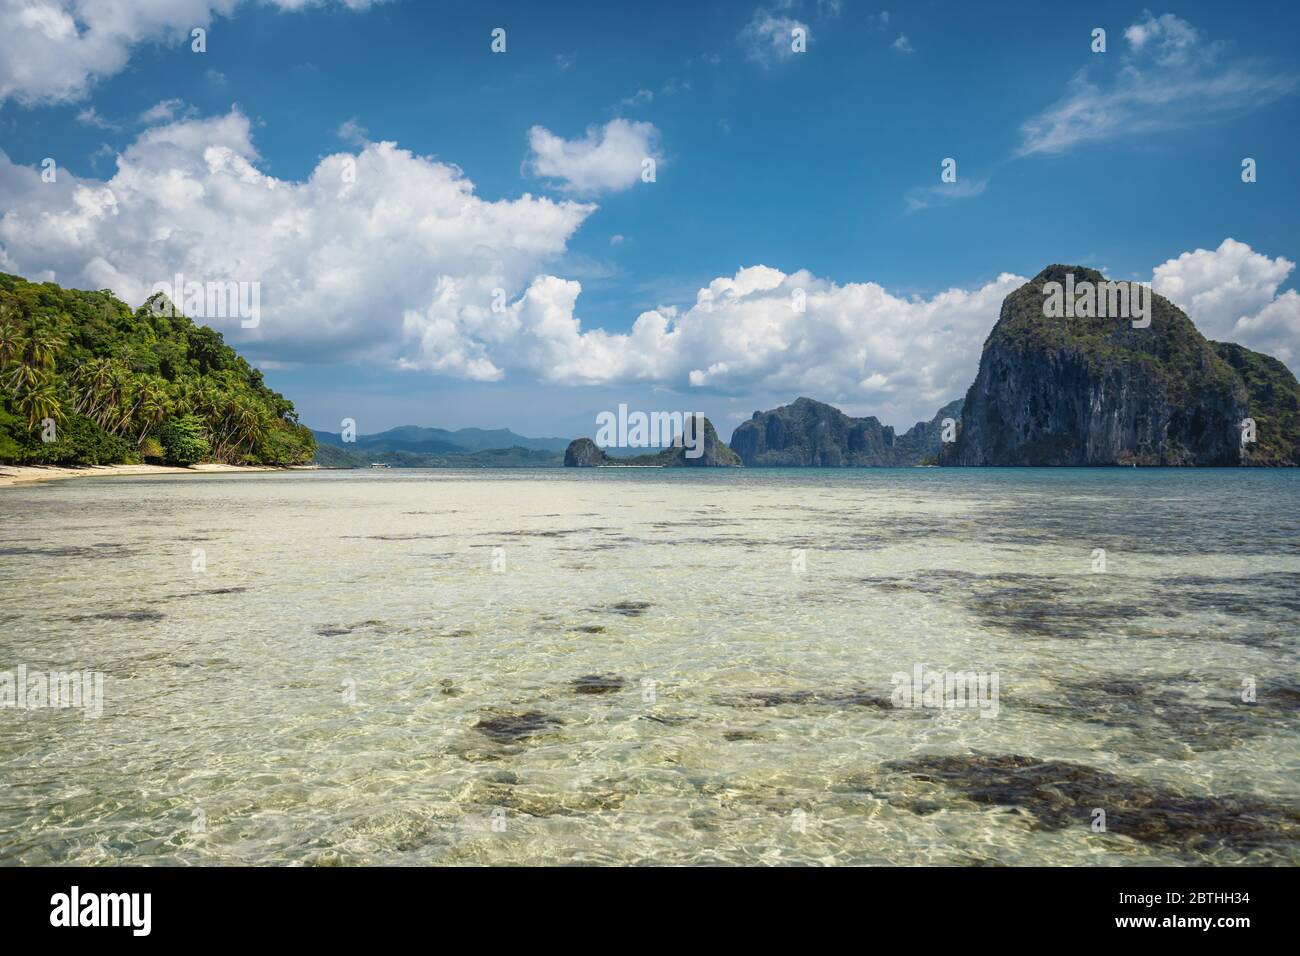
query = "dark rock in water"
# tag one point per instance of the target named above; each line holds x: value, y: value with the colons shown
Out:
x: 826, y: 698
x: 584, y: 453
x: 139, y: 616
x: 1097, y: 391
x: 670, y: 720
x: 734, y: 736
x: 332, y: 630
x: 813, y: 434
x: 597, y: 684
x: 1061, y: 795
x: 510, y: 727
x: 591, y: 628
x: 630, y: 608
x: 1173, y: 711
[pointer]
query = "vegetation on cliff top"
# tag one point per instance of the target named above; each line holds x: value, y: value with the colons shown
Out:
x: 1171, y: 346
x: 123, y: 386
x: 1065, y: 388
x: 1274, y: 403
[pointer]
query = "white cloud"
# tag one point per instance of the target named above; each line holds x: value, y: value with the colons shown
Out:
x: 608, y: 159
x: 402, y: 266
x: 853, y: 342
x: 903, y: 45
x: 341, y: 263
x: 1170, y: 78
x: 55, y: 50
x: 769, y: 38
x: 1231, y: 293
x: 166, y: 111
x: 639, y: 98
x: 350, y: 131
x: 1173, y: 36
x: 943, y: 194
x: 90, y: 117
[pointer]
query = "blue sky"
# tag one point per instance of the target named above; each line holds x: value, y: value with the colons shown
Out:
x: 823, y: 166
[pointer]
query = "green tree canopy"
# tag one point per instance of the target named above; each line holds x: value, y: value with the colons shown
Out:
x: 117, y: 382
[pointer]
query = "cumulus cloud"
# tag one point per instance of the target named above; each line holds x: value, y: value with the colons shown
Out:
x: 343, y: 258
x: 55, y: 50
x: 385, y: 256
x: 856, y: 344
x: 606, y: 159
x: 1231, y: 293
x: 745, y: 334
x: 769, y: 38
x: 1170, y: 77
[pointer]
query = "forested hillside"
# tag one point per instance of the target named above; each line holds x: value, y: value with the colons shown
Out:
x: 84, y: 380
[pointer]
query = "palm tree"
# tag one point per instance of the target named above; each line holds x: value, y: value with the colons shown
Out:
x: 92, y: 381
x: 116, y: 379
x: 35, y: 354
x: 44, y: 340
x: 40, y: 400
x: 249, y: 422
x: 11, y: 336
x: 153, y: 407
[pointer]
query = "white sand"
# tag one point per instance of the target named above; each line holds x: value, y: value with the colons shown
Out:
x: 21, y: 474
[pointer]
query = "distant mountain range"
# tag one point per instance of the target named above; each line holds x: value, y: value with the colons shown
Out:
x: 419, y: 440
x: 413, y: 446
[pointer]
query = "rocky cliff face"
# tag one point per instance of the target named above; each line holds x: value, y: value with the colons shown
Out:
x: 1097, y: 391
x: 716, y: 454
x: 1274, y: 399
x: 808, y: 433
x: 585, y: 453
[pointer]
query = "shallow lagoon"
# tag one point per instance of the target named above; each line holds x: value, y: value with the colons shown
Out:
x: 423, y: 667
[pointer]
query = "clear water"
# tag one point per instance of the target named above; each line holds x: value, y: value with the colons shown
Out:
x: 361, y: 676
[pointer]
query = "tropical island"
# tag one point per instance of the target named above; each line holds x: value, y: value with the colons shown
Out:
x: 86, y: 381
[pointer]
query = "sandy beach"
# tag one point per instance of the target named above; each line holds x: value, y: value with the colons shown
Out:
x: 22, y: 474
